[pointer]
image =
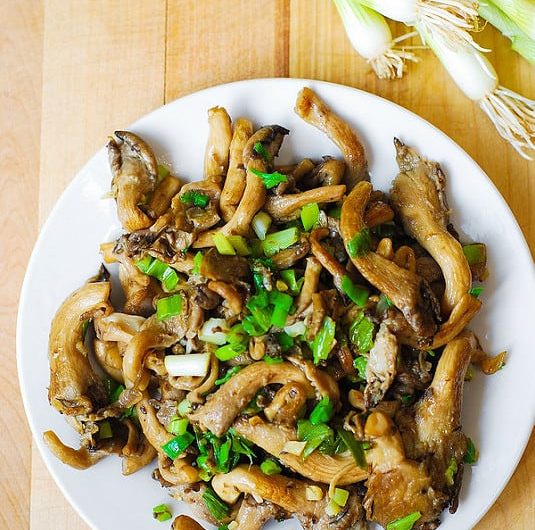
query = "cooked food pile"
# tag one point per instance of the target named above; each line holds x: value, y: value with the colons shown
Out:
x: 288, y: 340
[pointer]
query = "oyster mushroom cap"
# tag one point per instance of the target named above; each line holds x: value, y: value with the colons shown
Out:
x: 409, y: 292
x: 317, y: 467
x: 134, y: 171
x: 75, y: 388
x: 418, y: 197
x: 289, y: 494
x: 315, y: 112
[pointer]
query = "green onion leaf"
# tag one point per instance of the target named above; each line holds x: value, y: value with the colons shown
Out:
x: 313, y: 435
x: 223, y: 245
x: 361, y: 333
x: 272, y: 360
x: 431, y: 353
x: 259, y: 148
x: 85, y: 325
x: 161, y: 513
x: 217, y: 508
x: 270, y: 467
x: 335, y: 212
x: 270, y: 180
x: 197, y: 262
x: 294, y: 285
x: 358, y: 295
x: 277, y: 241
x: 282, y: 304
x: 230, y: 351
x: 178, y: 426
x: 184, y: 407
x: 237, y: 335
x: 475, y: 291
x: 178, y: 445
x: 240, y: 245
x: 360, y: 244
x: 195, y: 198
x: 232, y: 371
x: 360, y: 363
x: 252, y: 327
x: 472, y: 454
x: 405, y: 523
x: 116, y: 394
x: 169, y: 279
x: 324, y: 341
x: 258, y: 301
x: 284, y: 340
x: 159, y: 270
x: 322, y: 412
x: 383, y: 304
x: 168, y: 307
x: 356, y: 448
x: 240, y: 445
x: 310, y: 214
x: 105, y: 430
x: 450, y: 472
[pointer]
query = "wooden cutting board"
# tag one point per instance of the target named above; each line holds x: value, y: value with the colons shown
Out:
x: 73, y: 70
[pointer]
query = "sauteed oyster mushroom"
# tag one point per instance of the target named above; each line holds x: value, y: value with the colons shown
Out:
x: 291, y: 342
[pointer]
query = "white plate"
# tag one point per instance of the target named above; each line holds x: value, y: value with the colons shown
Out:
x: 498, y: 411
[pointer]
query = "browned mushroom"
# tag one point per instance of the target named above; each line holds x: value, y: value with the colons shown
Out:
x: 219, y: 412
x: 228, y: 269
x: 287, y: 404
x: 183, y: 522
x: 315, y: 112
x: 290, y: 256
x: 217, y: 146
x: 162, y: 196
x: 310, y: 285
x: 229, y: 293
x: 317, y: 466
x: 134, y: 171
x: 330, y: 172
x: 419, y: 198
x: 289, y: 494
x: 235, y: 180
x: 286, y: 207
x: 407, y: 291
x: 109, y: 358
x: 253, y: 515
x: 75, y: 388
x: 327, y: 260
x: 144, y: 454
x: 397, y: 486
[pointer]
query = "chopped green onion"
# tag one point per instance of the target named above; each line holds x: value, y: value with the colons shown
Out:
x: 270, y: 180
x: 188, y: 365
x: 230, y: 351
x: 356, y: 448
x: 260, y: 318
x: 223, y: 244
x: 272, y: 360
x: 214, y: 331
x: 310, y: 214
x: 475, y: 253
x: 431, y: 353
x: 313, y: 435
x: 195, y: 198
x: 360, y: 244
x: 472, y: 454
x: 197, y: 262
x: 85, y: 325
x: 159, y: 270
x: 322, y: 412
x: 282, y: 304
x: 184, y: 407
x: 383, y: 304
x: 335, y: 212
x: 240, y: 445
x: 475, y: 291
x: 340, y: 496
x: 405, y: 523
x: 450, y: 472
x: 259, y: 148
x: 324, y: 341
x: 161, y: 513
x: 232, y: 371
x: 168, y: 307
x: 256, y: 247
x: 251, y: 326
x: 361, y: 363
x: 270, y: 467
x: 261, y: 223
x: 163, y: 171
x: 206, y: 468
x: 297, y: 329
x: 277, y: 241
x: 117, y: 393
x: 217, y: 508
x: 240, y: 245
x: 285, y: 341
x: 178, y: 445
x: 358, y: 295
x: 361, y: 333
x: 237, y: 335
x: 105, y: 430
x: 258, y: 301
x: 290, y: 280
x: 178, y: 426
x: 406, y: 398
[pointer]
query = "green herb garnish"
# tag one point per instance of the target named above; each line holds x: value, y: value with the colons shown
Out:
x: 195, y: 198
x: 270, y: 180
x: 360, y: 244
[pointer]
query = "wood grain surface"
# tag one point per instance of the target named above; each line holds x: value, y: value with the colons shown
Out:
x: 73, y: 70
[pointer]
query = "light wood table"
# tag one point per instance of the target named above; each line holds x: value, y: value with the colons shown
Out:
x: 71, y: 71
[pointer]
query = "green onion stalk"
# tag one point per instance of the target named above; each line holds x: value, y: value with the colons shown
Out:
x: 371, y: 38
